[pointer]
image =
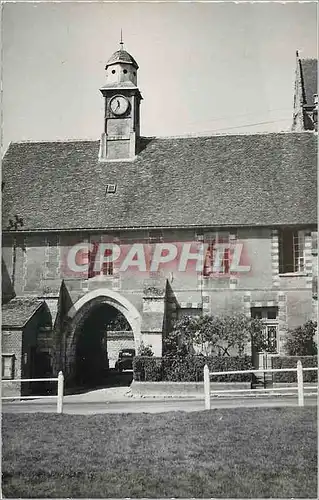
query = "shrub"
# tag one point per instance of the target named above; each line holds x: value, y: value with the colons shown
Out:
x: 190, y: 368
x: 182, y: 369
x: 230, y: 364
x: 147, y: 369
x: 300, y: 341
x: 291, y: 362
x: 145, y: 350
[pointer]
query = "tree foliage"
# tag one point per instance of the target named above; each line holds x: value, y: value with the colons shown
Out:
x: 145, y: 350
x: 179, y: 341
x: 119, y: 323
x: 214, y: 335
x: 300, y: 341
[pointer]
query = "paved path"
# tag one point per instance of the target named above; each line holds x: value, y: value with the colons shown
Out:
x: 132, y: 405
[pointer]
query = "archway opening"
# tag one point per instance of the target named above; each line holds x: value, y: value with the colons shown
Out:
x: 100, y: 335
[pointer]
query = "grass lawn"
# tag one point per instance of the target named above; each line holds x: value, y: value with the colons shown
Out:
x: 225, y: 453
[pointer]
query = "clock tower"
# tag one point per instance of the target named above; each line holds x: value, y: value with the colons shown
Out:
x: 119, y: 140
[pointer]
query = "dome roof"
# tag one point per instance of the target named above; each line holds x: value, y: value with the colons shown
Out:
x: 121, y: 56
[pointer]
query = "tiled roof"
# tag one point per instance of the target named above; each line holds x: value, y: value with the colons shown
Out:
x: 17, y: 312
x: 262, y: 180
x: 121, y: 56
x: 309, y: 75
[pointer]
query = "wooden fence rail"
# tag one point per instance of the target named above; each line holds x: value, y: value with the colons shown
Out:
x: 299, y: 387
x: 59, y: 396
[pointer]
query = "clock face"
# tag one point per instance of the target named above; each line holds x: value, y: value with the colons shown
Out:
x: 119, y: 105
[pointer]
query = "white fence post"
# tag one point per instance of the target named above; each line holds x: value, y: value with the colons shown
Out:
x: 60, y: 393
x: 300, y: 383
x: 206, y: 388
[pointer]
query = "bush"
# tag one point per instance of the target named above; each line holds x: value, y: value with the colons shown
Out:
x: 300, y: 341
x: 291, y: 362
x: 147, y: 369
x: 182, y: 369
x: 145, y: 350
x: 190, y: 368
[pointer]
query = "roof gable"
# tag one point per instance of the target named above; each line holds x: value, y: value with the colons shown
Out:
x: 18, y: 312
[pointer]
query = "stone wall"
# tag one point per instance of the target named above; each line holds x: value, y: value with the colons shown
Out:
x: 24, y: 345
x: 12, y: 344
x: 35, y: 265
x: 117, y: 341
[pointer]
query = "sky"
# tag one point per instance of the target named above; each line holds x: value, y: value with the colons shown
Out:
x: 204, y: 68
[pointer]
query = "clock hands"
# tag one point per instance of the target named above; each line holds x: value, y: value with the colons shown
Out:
x: 119, y: 105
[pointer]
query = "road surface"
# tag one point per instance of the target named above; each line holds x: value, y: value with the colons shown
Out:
x: 132, y: 405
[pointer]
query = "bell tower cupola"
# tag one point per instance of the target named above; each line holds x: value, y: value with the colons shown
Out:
x: 120, y: 137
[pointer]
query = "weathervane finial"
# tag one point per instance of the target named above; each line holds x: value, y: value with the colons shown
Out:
x: 121, y: 42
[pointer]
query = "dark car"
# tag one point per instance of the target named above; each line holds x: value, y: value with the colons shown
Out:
x: 125, y: 360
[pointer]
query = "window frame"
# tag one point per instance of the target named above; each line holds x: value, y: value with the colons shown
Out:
x: 217, y: 237
x: 12, y: 358
x: 107, y: 268
x: 296, y: 250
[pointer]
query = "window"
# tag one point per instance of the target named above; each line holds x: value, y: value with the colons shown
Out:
x: 315, y: 286
x: 268, y: 315
x: 217, y: 258
x: 8, y: 366
x: 155, y: 236
x: 110, y: 188
x: 314, y: 243
x: 105, y: 268
x: 291, y: 251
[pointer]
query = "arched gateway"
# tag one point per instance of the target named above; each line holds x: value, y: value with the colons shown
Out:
x: 86, y: 319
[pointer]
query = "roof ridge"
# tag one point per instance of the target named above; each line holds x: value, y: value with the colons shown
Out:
x: 24, y: 298
x: 208, y: 136
x: 163, y: 137
x: 46, y: 141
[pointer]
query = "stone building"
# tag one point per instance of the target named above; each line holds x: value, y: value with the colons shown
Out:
x: 154, y: 228
x: 25, y: 325
x: 305, y: 115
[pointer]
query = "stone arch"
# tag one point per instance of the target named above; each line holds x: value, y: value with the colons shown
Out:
x: 85, y: 305
x: 116, y: 300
